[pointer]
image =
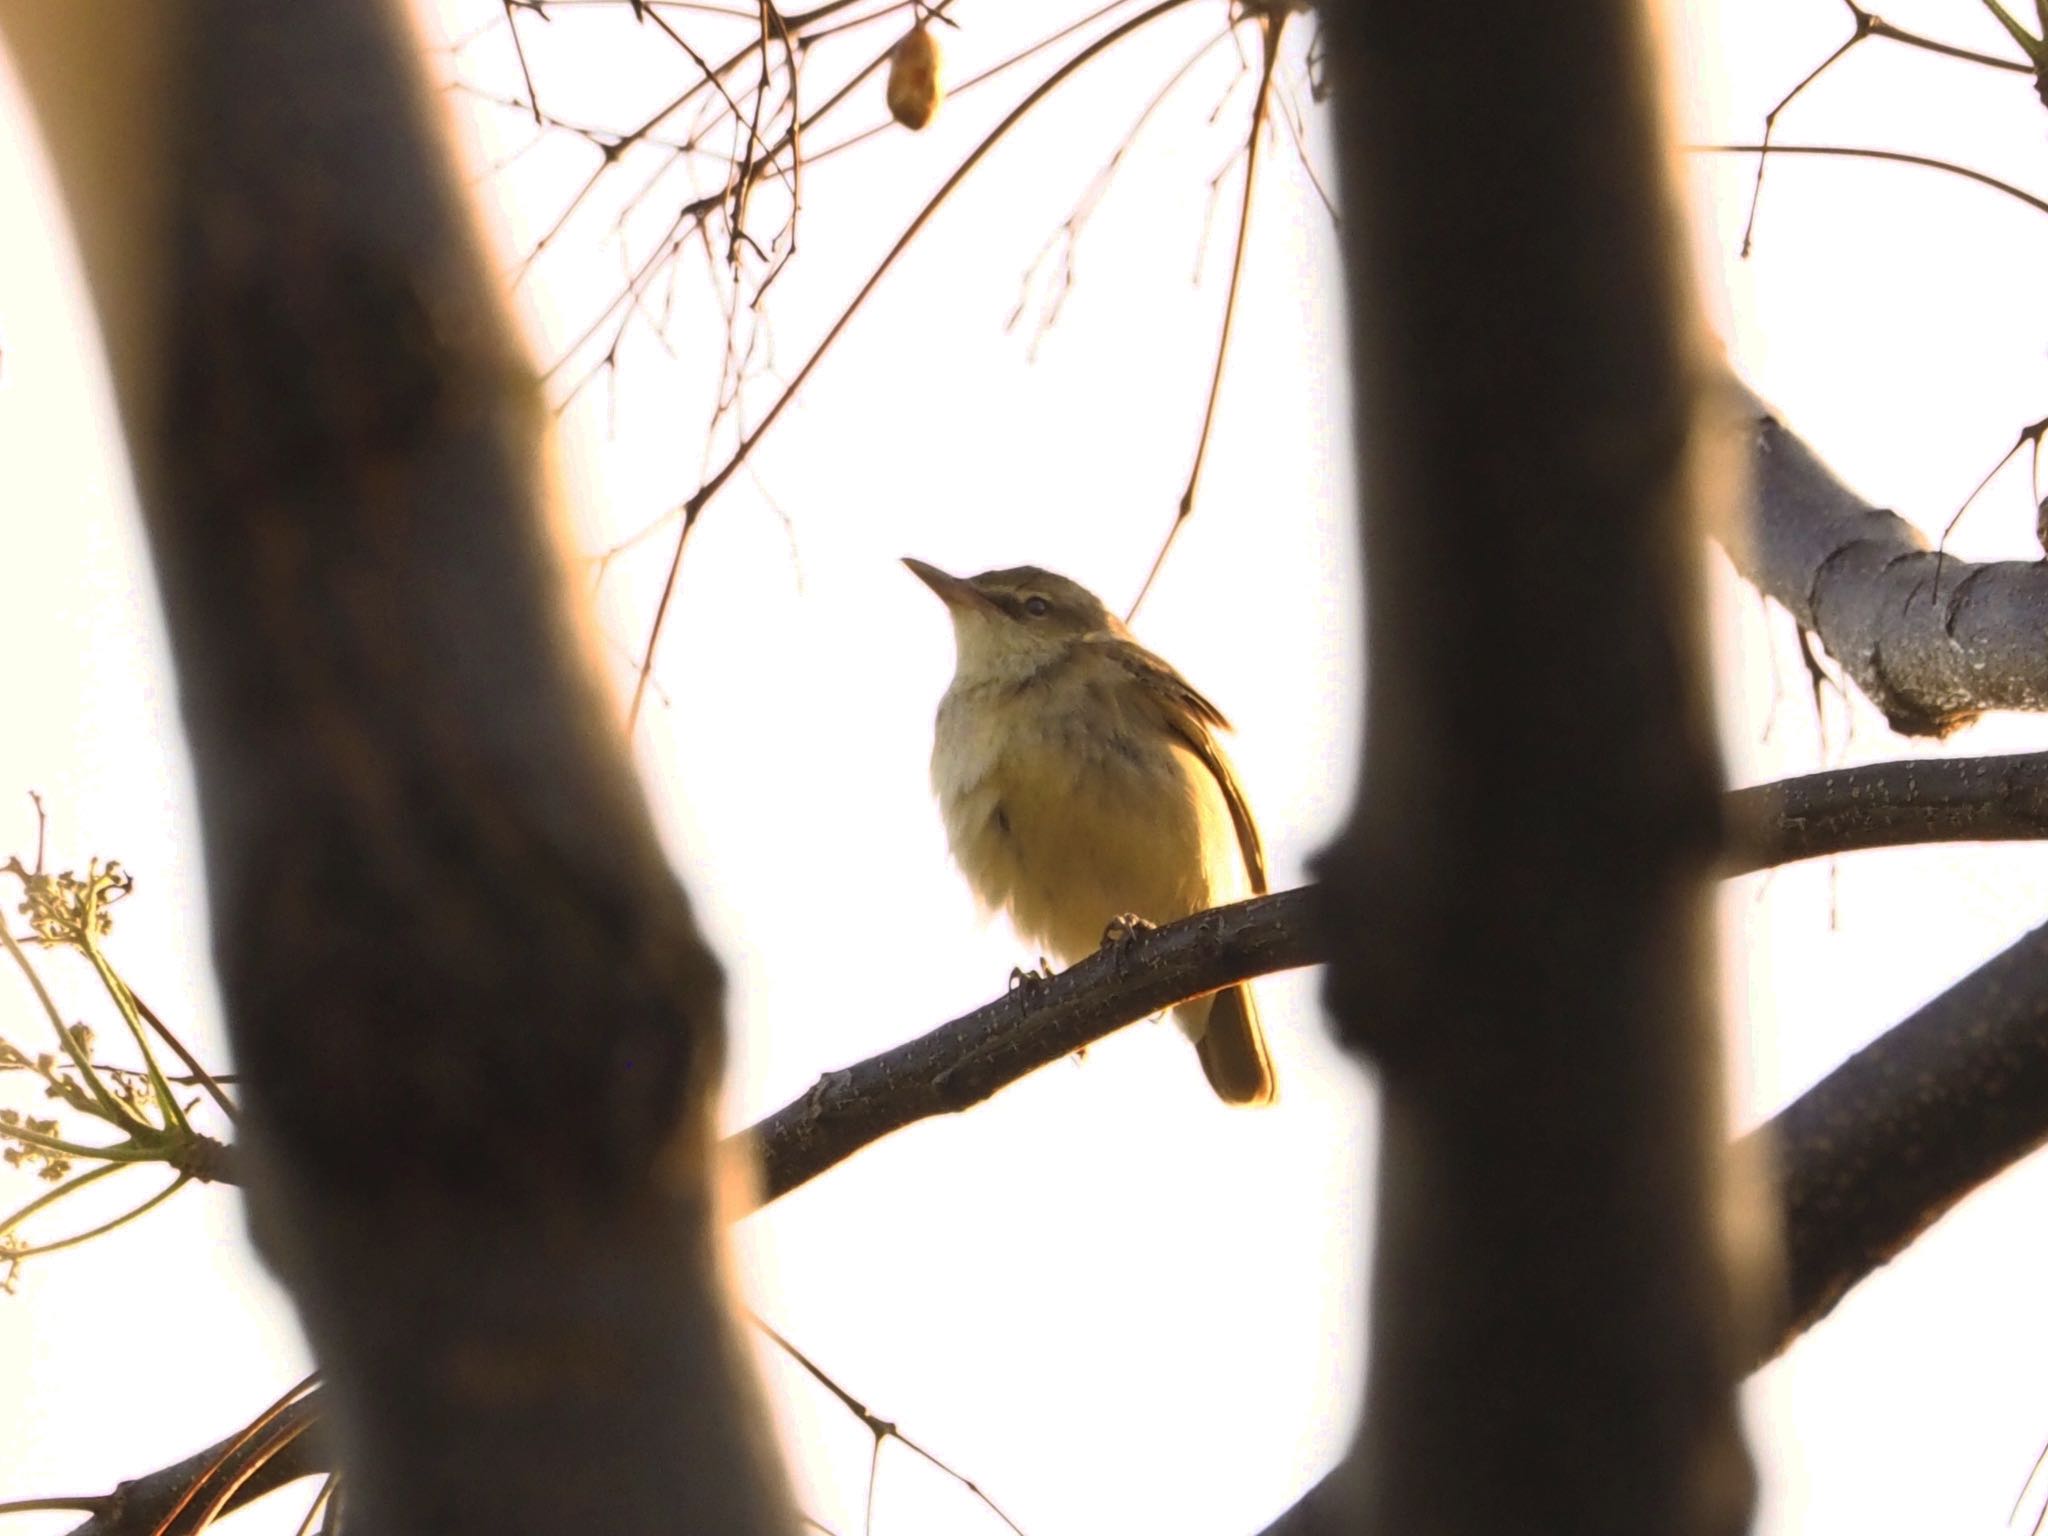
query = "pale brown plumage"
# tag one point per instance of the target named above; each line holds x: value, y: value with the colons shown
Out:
x: 1080, y: 779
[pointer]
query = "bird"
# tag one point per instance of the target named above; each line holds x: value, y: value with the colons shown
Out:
x: 1082, y: 787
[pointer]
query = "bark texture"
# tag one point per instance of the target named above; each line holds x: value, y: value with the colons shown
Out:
x: 479, y: 1032
x: 1888, y: 805
x: 1932, y: 641
x: 1518, y: 909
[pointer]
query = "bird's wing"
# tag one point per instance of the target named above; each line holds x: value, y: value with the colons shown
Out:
x: 1194, y: 720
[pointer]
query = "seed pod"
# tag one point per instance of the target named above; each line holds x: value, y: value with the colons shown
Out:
x: 914, y: 88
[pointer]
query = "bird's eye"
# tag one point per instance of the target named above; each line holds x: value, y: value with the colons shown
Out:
x: 1037, y: 607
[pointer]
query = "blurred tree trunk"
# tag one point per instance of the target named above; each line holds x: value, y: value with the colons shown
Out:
x: 1519, y: 907
x: 479, y: 1031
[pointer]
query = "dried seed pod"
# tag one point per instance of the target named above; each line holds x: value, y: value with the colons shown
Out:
x: 914, y: 88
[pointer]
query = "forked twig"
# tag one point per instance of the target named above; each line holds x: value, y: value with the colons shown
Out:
x: 1863, y: 25
x: 882, y: 1429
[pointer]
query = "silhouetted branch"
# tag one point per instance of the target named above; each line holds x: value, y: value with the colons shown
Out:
x: 961, y: 1063
x: 1888, y: 805
x: 1886, y: 1144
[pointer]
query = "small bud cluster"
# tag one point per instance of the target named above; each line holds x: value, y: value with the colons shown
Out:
x: 67, y: 908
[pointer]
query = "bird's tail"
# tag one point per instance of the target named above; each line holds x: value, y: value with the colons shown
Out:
x: 1233, y: 1047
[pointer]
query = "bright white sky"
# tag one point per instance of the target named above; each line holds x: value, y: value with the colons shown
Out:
x: 1045, y: 1291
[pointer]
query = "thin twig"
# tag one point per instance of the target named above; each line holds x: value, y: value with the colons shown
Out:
x: 1849, y: 152
x: 37, y: 1250
x: 1272, y: 24
x: 702, y: 497
x: 1863, y: 21
x: 1067, y: 238
x: 882, y: 1429
x: 519, y: 48
x: 2031, y: 434
x: 199, y: 1074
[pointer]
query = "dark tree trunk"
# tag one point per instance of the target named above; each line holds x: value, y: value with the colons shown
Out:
x: 1519, y: 908
x: 480, y: 1035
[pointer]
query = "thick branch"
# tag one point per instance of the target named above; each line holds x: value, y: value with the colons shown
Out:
x: 1875, y: 1153
x: 1890, y: 1141
x: 1931, y: 641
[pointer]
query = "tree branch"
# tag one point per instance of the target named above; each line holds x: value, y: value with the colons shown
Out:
x: 1869, y: 1158
x: 250, y: 1465
x: 1874, y: 1154
x: 1931, y: 641
x: 1890, y: 1141
x: 1887, y: 805
x: 961, y: 1063
x: 966, y: 1060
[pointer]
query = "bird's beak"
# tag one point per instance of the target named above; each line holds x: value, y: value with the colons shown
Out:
x: 954, y: 591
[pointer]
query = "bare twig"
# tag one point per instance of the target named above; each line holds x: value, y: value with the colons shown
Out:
x: 519, y: 48
x: 1062, y: 243
x: 710, y: 488
x: 1271, y: 25
x: 881, y: 1428
x: 1863, y: 25
x: 2029, y: 434
x: 1899, y: 157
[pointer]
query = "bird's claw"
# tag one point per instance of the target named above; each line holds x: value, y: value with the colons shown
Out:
x: 1023, y: 980
x: 1123, y: 928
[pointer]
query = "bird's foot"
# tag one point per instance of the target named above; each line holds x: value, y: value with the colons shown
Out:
x: 1125, y: 927
x: 1027, y: 981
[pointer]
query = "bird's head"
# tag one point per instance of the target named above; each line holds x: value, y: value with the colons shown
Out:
x: 1012, y: 623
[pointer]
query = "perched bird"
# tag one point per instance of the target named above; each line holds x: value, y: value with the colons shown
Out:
x: 1080, y: 782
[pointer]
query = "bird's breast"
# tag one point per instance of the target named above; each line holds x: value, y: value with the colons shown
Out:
x: 1067, y: 810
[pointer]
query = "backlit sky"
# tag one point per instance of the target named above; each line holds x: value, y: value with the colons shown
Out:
x: 1111, y: 1303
